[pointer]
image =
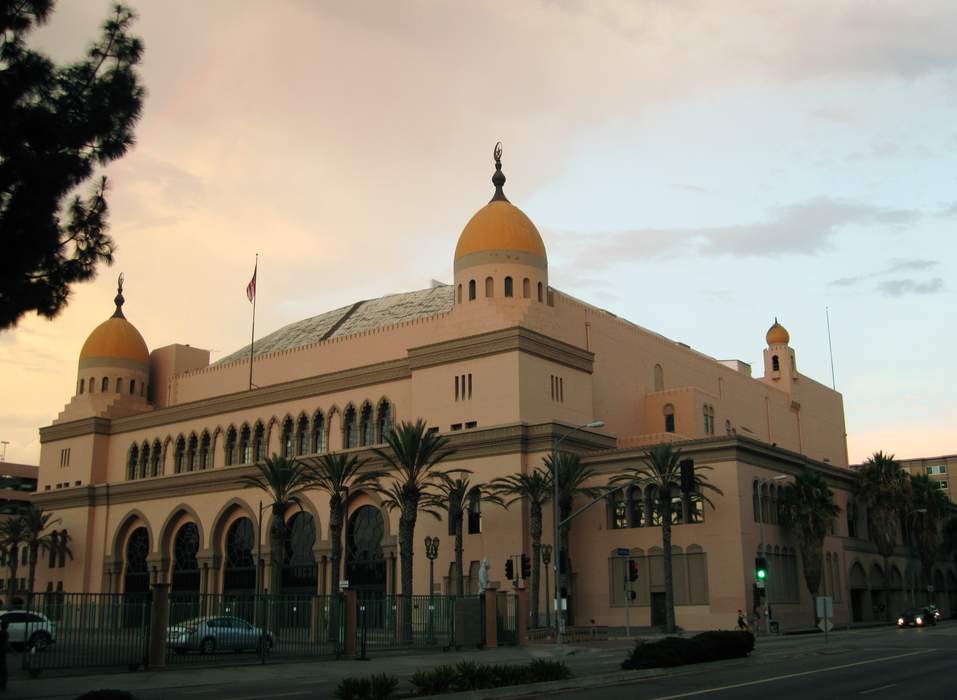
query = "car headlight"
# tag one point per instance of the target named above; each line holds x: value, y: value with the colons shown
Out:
x: 919, y: 620
x: 900, y: 621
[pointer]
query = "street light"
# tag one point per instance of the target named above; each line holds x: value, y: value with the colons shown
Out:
x: 546, y: 558
x: 767, y: 580
x: 431, y: 552
x: 559, y: 613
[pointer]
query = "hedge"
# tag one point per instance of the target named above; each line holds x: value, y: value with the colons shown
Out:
x: 677, y: 651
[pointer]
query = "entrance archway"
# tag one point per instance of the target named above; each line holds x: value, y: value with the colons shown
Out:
x: 136, y: 576
x: 366, y: 564
x: 859, y: 593
x: 239, y: 572
x: 299, y: 571
x: 185, y: 566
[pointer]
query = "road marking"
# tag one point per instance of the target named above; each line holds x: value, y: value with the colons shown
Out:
x: 272, y: 695
x: 874, y: 690
x: 791, y: 675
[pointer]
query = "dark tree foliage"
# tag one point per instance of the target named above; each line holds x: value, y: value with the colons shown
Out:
x: 58, y: 124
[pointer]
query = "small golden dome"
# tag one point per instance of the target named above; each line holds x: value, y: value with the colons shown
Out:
x: 778, y: 334
x: 500, y: 225
x: 115, y: 338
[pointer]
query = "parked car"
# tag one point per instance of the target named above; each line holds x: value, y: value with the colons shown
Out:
x: 916, y: 617
x: 210, y: 634
x: 29, y: 629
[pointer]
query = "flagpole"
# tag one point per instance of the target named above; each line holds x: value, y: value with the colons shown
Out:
x: 252, y: 339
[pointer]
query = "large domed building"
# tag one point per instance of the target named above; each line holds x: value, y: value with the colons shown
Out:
x: 143, y: 466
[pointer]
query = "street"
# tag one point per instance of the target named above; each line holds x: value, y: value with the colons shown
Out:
x: 869, y: 663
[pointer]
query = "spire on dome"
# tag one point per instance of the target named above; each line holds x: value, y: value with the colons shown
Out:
x: 118, y: 299
x: 498, y: 179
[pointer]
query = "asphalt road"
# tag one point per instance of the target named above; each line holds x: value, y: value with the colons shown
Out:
x: 865, y: 664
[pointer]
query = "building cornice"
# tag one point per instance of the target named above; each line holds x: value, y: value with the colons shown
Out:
x: 511, y: 339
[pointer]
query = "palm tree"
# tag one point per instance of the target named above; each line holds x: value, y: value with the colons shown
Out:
x: 39, y: 540
x: 13, y: 535
x: 285, y: 481
x: 459, y: 495
x: 950, y: 537
x: 807, y: 506
x: 412, y: 454
x: 882, y: 487
x: 661, y: 469
x: 337, y: 474
x: 572, y: 475
x: 534, y: 487
x: 929, y: 502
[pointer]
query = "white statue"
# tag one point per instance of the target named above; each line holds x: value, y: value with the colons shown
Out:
x: 483, y: 575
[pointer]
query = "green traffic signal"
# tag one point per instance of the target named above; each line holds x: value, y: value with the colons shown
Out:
x: 761, y: 573
x: 760, y: 568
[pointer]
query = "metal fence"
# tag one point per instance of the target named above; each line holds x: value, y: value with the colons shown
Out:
x: 206, y: 628
x: 84, y: 630
x: 395, y: 622
x: 506, y: 618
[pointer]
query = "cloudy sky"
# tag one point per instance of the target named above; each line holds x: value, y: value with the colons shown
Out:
x: 696, y: 167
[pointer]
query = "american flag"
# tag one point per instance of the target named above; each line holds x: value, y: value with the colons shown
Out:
x: 251, y: 287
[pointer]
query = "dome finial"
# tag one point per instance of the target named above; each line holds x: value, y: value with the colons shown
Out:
x: 118, y: 299
x: 498, y: 179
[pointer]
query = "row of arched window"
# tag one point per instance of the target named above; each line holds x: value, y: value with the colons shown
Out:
x: 766, y: 503
x: 783, y: 574
x: 509, y: 289
x: 641, y: 508
x: 247, y: 444
x: 118, y: 385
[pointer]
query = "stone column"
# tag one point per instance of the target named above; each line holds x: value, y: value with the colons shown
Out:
x: 491, y: 619
x: 159, y: 620
x: 349, y: 644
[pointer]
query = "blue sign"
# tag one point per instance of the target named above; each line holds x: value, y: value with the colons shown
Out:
x: 622, y: 552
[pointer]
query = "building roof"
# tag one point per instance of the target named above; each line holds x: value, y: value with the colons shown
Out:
x: 500, y: 226
x: 357, y: 318
x: 114, y: 339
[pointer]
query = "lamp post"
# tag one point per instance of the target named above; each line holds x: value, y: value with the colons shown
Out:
x: 913, y: 536
x: 559, y: 612
x: 767, y: 582
x: 431, y: 552
x: 546, y: 558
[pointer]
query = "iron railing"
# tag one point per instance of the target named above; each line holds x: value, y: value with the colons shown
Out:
x: 394, y: 622
x: 506, y: 618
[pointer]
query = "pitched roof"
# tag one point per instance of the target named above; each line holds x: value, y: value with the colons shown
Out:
x: 355, y: 318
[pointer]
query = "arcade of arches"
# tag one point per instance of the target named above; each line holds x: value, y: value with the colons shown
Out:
x: 195, y: 559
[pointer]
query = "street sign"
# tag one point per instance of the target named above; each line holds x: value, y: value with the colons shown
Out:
x: 759, y: 584
x: 622, y: 552
x: 343, y: 585
x: 825, y: 623
x: 825, y: 606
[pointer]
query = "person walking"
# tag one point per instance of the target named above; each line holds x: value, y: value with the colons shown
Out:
x: 742, y: 621
x: 4, y: 640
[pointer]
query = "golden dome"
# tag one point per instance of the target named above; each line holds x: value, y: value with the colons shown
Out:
x: 778, y: 334
x: 500, y: 225
x: 115, y: 338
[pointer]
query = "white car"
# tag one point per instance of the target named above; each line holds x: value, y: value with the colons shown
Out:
x: 28, y: 629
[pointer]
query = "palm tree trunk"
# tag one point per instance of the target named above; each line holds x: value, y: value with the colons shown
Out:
x: 406, y: 536
x: 335, y: 534
x: 887, y: 590
x: 536, y: 531
x: 459, y: 574
x: 278, y: 537
x: 32, y: 572
x: 669, y: 580
x: 12, y: 567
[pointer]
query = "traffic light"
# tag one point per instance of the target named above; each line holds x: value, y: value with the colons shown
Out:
x: 526, y: 566
x: 632, y: 570
x: 509, y: 568
x: 760, y: 568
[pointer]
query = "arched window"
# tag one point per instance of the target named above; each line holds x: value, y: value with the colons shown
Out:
x: 652, y: 507
x: 318, y: 433
x: 619, y: 512
x: 119, y: 385
x: 239, y: 574
x: 229, y: 459
x: 508, y: 287
x: 179, y: 455
x: 635, y: 509
x: 349, y: 432
x: 205, y: 453
x: 64, y: 547
x: 384, y: 420
x: 92, y: 385
x: 489, y: 287
x: 526, y: 289
x: 136, y: 569
x: 302, y: 435
x: 144, y: 460
x: 287, y: 438
x: 259, y: 442
x: 192, y: 452
x: 105, y: 385
x: 459, y: 296
x: 659, y: 378
x: 132, y: 387
x: 540, y: 296
x: 82, y: 385
x: 245, y: 445
x: 156, y: 456
x: 475, y: 513
x: 185, y: 566
x: 133, y: 463
x: 754, y: 502
x: 669, y: 412
x: 299, y: 569
x: 367, y: 424
x: 775, y: 364
x: 471, y: 290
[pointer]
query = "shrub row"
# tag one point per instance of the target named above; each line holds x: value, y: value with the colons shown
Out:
x: 676, y: 651
x: 380, y: 686
x: 468, y: 675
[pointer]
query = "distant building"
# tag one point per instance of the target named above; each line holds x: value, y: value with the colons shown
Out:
x: 17, y: 482
x: 943, y: 470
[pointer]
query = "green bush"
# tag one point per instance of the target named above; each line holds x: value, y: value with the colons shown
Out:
x: 542, y: 670
x: 468, y: 675
x: 677, y: 651
x: 354, y: 689
x: 383, y: 686
x: 440, y: 679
